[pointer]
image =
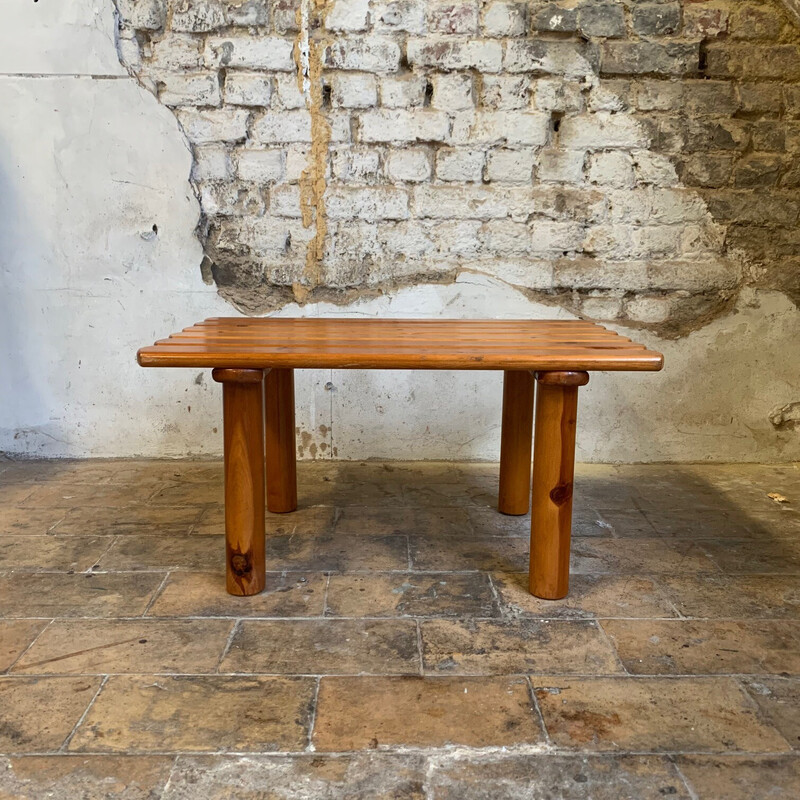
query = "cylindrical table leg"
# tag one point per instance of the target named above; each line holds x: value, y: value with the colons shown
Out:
x: 553, y: 473
x: 243, y: 416
x: 280, y: 454
x: 515, y: 442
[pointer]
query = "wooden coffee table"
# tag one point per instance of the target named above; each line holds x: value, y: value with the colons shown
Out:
x: 255, y: 359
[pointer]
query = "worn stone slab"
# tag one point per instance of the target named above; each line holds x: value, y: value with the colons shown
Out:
x: 139, y: 714
x: 545, y: 776
x: 307, y: 520
x: 324, y: 647
x: 779, y: 701
x: 433, y: 521
x: 94, y: 594
x: 15, y: 636
x: 742, y: 777
x: 203, y: 594
x: 706, y: 647
x: 361, y: 776
x: 505, y: 554
x: 648, y: 556
x: 589, y: 596
x: 142, y: 518
x: 337, y: 552
x: 749, y: 556
x: 371, y: 712
x: 410, y: 594
x: 37, y: 714
x: 758, y: 596
x: 84, y: 777
x: 498, y: 647
x: 52, y: 553
x: 112, y: 646
x: 33, y: 521
x: 145, y: 552
x: 449, y: 494
x: 653, y: 714
x: 58, y: 494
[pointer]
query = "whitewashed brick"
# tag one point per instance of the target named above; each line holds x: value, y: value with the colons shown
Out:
x: 505, y: 236
x: 189, y: 89
x: 552, y: 94
x: 656, y: 241
x: 504, y: 92
x: 197, y: 16
x: 288, y: 92
x: 231, y: 199
x: 363, y: 54
x: 504, y: 19
x: 259, y: 165
x: 608, y: 240
x: 214, y: 125
x: 633, y: 206
x: 357, y: 165
x: 354, y: 90
x: 654, y: 168
x: 602, y: 307
x: 527, y: 272
x: 143, y: 15
x: 211, y: 162
x: 400, y: 15
x: 253, y: 52
x: 284, y: 200
x: 297, y: 156
x: 472, y: 202
x: 567, y: 59
x: 456, y: 237
x: 452, y: 16
x: 555, y: 237
x: 611, y: 168
x: 282, y: 126
x: 500, y: 127
x: 648, y: 309
x: 594, y: 273
x: 408, y: 238
x: 405, y: 92
x: 671, y: 206
x: 130, y: 54
x: 174, y: 52
x: 275, y: 236
x: 452, y: 91
x: 413, y: 164
x: 510, y: 166
x: 600, y: 130
x: 485, y: 55
x: 369, y: 204
x: 460, y: 165
x: 247, y: 88
x: 404, y: 126
x: 561, y: 166
x: 348, y: 16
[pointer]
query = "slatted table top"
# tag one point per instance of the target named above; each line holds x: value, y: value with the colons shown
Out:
x: 399, y: 344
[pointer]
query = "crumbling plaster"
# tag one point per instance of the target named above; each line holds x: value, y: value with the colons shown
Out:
x: 97, y: 222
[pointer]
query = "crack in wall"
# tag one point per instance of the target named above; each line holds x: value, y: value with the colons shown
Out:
x: 308, y: 57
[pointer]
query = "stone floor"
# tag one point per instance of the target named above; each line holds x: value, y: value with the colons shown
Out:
x: 396, y: 652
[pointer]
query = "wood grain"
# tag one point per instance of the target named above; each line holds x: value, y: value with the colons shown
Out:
x: 243, y: 419
x: 280, y: 441
x: 552, y: 486
x: 399, y: 344
x: 515, y: 442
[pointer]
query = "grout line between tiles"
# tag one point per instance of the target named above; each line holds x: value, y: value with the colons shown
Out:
x: 24, y: 652
x: 156, y: 594
x: 313, y: 720
x: 74, y: 730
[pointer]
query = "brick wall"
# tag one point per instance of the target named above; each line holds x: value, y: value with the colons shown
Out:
x: 632, y: 161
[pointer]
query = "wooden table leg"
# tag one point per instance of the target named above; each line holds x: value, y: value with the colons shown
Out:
x: 280, y: 454
x: 553, y: 473
x: 515, y: 442
x: 243, y: 416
